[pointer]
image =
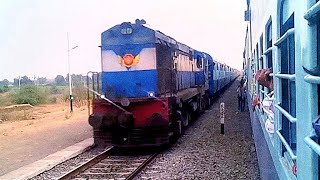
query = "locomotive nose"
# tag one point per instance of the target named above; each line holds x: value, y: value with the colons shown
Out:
x: 95, y: 120
x: 125, y: 120
x: 99, y: 120
x: 157, y: 119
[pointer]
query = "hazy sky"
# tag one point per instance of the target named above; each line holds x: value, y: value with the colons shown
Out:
x: 33, y: 33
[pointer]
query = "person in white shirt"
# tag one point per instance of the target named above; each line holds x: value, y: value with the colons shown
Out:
x: 264, y: 79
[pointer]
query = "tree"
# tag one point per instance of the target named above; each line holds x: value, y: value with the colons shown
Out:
x: 24, y: 80
x: 5, y: 82
x: 42, y: 80
x: 4, y: 89
x: 77, y: 79
x: 16, y: 81
x: 60, y: 81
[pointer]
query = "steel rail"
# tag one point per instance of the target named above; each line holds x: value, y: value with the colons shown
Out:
x: 141, y: 167
x: 86, y: 165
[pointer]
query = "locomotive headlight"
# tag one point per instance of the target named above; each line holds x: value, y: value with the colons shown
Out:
x: 151, y: 94
x: 128, y: 59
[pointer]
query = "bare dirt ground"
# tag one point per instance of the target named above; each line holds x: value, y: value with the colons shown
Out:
x: 49, y: 129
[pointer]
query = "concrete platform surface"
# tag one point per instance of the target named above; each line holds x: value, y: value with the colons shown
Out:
x: 48, y: 162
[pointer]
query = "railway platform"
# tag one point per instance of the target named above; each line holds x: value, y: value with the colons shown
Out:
x: 48, y: 162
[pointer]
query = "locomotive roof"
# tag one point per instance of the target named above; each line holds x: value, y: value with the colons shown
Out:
x: 140, y: 34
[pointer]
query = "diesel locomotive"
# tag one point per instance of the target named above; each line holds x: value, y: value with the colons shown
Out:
x: 151, y: 86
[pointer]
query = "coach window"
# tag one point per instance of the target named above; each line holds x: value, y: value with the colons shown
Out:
x: 254, y: 70
x: 287, y: 60
x: 261, y: 59
x: 318, y: 61
x: 258, y: 68
x: 257, y: 57
x: 269, y: 44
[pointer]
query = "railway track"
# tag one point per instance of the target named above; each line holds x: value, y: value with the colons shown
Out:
x: 109, y: 165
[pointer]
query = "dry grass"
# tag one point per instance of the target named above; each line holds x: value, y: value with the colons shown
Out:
x: 16, y: 115
x: 16, y: 112
x: 5, y: 99
x: 27, y: 112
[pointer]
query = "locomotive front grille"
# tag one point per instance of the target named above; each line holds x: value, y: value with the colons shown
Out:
x: 151, y: 136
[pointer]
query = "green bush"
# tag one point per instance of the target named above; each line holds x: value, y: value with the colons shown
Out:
x: 55, y: 90
x: 80, y: 92
x: 4, y: 89
x: 30, y: 95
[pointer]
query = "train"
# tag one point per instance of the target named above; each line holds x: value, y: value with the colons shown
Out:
x: 282, y: 47
x: 151, y: 88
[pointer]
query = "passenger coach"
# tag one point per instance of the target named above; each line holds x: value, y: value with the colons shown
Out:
x: 281, y: 63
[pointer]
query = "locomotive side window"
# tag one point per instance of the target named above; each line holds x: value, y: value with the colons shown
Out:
x: 199, y: 62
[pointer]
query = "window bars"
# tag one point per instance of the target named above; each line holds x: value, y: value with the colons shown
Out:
x: 290, y: 77
x: 310, y: 15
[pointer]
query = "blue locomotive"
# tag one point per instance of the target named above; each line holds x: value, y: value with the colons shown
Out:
x: 152, y: 86
x: 281, y: 63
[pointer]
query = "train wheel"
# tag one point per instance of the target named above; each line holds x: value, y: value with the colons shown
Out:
x: 177, y: 124
x: 176, y: 133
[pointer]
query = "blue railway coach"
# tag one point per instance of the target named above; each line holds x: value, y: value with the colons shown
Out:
x: 152, y: 86
x: 281, y: 63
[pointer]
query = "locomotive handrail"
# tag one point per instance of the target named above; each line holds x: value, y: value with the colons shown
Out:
x: 312, y: 144
x: 268, y: 50
x: 312, y: 79
x: 285, y: 36
x: 93, y: 86
x: 291, y: 77
x: 286, y: 145
x: 286, y: 114
x: 104, y: 98
x: 311, y: 12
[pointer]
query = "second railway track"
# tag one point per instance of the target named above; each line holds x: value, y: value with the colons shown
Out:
x: 111, y: 165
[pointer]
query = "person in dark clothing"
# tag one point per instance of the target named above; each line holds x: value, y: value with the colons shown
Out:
x: 242, y: 81
x: 241, y: 97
